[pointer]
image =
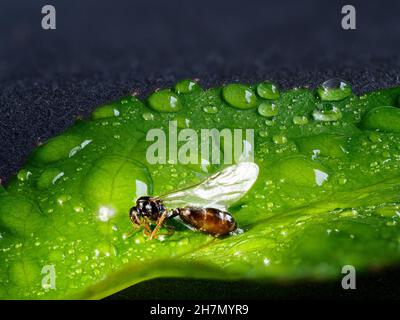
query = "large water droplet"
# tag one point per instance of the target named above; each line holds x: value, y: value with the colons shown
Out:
x: 385, y: 118
x: 115, y: 183
x: 328, y: 145
x: 164, y: 101
x: 300, y: 172
x: 268, y: 90
x: 15, y: 212
x: 239, y: 96
x: 268, y: 109
x: 57, y: 148
x: 186, y: 86
x: 334, y: 90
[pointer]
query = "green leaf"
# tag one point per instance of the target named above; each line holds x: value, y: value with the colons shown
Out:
x: 327, y: 196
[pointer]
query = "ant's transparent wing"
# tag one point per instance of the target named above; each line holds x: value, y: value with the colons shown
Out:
x: 219, y: 190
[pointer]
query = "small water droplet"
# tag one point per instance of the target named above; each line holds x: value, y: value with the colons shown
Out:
x: 279, y: 139
x: 182, y: 122
x: 268, y: 90
x: 268, y: 109
x: 300, y: 120
x: 263, y: 133
x: 23, y: 175
x: 269, y: 122
x: 107, y: 111
x: 186, y: 86
x: 148, y: 116
x: 210, y: 109
x: 63, y: 198
x: 79, y: 209
x: 342, y: 180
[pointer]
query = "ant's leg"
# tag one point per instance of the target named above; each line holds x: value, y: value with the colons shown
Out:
x: 147, y: 228
x: 144, y: 225
x: 158, y: 226
x: 136, y: 227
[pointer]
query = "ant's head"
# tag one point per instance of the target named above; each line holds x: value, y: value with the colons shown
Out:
x: 146, y: 207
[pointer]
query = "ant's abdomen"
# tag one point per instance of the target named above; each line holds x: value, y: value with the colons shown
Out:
x: 208, y: 220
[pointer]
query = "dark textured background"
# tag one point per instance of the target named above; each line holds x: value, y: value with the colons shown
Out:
x: 102, y: 50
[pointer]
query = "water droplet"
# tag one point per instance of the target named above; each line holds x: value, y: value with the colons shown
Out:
x: 342, y: 180
x: 269, y: 122
x: 23, y: 175
x: 300, y: 120
x: 334, y: 90
x: 49, y: 177
x: 182, y: 122
x: 107, y: 111
x: 298, y: 171
x: 79, y: 209
x: 268, y: 90
x: 268, y: 109
x: 279, y: 139
x: 263, y: 133
x: 239, y: 96
x: 326, y: 144
x: 183, y: 242
x: 164, y: 101
x: 105, y: 213
x: 186, y: 86
x: 63, y: 198
x: 57, y: 148
x: 76, y: 149
x: 385, y: 118
x: 210, y: 109
x: 148, y: 116
x: 327, y: 113
x: 374, y: 137
x: 114, y: 182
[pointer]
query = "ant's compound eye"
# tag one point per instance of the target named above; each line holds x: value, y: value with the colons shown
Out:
x: 132, y: 211
x: 134, y: 215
